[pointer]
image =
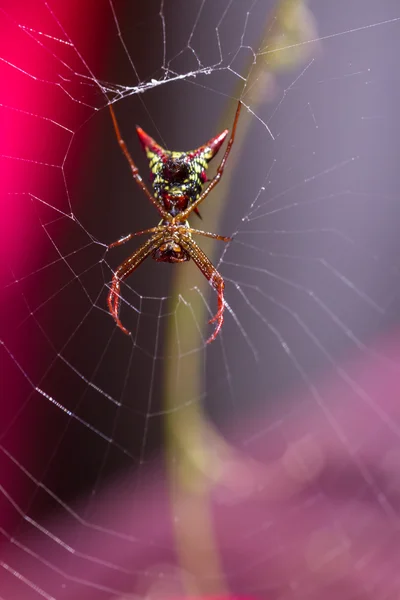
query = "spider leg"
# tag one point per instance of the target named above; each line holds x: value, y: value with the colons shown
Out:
x: 214, y: 236
x: 211, y: 273
x: 128, y: 237
x: 123, y: 271
x: 135, y: 171
x: 184, y: 215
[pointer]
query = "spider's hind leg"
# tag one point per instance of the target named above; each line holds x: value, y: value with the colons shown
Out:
x: 210, y: 273
x: 123, y: 271
x: 114, y: 300
x: 219, y: 285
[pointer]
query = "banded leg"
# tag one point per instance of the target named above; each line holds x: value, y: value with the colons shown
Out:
x: 184, y: 215
x: 135, y: 171
x: 214, y: 236
x: 128, y: 237
x: 123, y: 271
x: 212, y: 275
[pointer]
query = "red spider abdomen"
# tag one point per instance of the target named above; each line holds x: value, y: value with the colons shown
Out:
x: 170, y: 252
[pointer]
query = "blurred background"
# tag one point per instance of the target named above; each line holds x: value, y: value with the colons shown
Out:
x: 266, y: 463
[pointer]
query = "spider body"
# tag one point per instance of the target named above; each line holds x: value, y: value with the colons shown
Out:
x: 177, y: 180
x: 170, y: 250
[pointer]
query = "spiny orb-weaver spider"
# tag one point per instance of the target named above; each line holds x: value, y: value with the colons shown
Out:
x: 177, y: 179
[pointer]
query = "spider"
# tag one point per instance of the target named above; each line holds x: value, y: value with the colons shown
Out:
x: 177, y: 179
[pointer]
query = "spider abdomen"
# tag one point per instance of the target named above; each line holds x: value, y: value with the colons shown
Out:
x: 170, y: 252
x: 178, y: 177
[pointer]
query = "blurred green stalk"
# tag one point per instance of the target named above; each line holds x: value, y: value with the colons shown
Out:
x: 192, y: 461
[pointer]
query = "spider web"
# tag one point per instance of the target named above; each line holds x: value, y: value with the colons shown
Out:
x: 126, y: 460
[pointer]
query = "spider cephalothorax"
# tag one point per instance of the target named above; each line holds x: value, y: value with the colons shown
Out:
x: 177, y: 179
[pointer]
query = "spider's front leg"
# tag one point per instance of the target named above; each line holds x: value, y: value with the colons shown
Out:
x: 211, y: 273
x: 123, y: 271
